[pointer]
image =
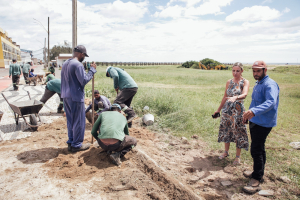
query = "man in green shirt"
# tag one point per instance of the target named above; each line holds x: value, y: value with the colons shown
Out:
x: 25, y: 70
x: 113, y: 134
x: 15, y: 72
x: 128, y: 88
x: 53, y: 87
x: 50, y: 77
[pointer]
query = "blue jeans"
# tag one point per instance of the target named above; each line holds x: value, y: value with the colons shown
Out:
x: 75, y: 113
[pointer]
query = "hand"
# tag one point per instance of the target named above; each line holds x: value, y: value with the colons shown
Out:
x: 9, y: 76
x: 247, y: 115
x: 94, y: 65
x: 232, y: 99
x: 117, y: 90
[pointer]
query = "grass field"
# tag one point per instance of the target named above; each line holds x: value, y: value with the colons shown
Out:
x: 183, y: 100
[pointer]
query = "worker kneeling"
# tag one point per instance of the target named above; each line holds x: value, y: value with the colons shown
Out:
x: 113, y: 133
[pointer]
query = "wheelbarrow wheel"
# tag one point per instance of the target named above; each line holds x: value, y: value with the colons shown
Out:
x: 33, y: 121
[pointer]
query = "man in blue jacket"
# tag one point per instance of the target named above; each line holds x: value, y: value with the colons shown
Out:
x: 128, y: 88
x: 263, y: 117
x: 73, y: 80
x: 101, y: 104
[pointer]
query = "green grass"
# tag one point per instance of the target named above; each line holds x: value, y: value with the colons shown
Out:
x: 184, y: 100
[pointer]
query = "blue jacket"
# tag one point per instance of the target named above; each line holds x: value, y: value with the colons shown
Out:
x: 104, y: 100
x: 265, y: 101
x: 73, y: 80
x: 121, y: 78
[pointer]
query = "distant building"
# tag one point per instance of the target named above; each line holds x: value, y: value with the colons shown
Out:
x: 35, y: 61
x: 61, y: 58
x: 8, y: 50
x: 25, y: 55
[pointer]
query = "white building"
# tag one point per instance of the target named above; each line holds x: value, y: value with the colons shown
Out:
x: 62, y: 58
x: 25, y: 57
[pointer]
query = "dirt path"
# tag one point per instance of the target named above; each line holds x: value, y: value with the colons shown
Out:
x: 40, y: 167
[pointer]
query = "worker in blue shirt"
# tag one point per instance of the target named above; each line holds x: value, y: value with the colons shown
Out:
x: 262, y: 115
x: 101, y: 104
x: 53, y: 87
x: 73, y: 80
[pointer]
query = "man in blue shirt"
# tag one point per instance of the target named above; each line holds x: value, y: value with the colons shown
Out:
x: 101, y: 104
x: 262, y: 115
x: 52, y: 88
x: 73, y: 80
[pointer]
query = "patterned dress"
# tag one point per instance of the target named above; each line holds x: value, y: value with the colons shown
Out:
x: 232, y: 128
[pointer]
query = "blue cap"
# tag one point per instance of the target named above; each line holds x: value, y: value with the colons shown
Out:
x: 115, y: 105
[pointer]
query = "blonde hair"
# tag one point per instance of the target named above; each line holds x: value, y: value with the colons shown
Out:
x: 238, y: 64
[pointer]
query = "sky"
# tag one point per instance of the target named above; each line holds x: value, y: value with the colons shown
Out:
x: 162, y: 30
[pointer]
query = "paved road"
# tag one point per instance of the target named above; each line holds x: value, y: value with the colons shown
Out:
x: 8, y: 128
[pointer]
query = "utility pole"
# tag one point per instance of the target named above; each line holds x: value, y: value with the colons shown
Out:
x: 74, y: 23
x: 45, y: 57
x: 48, y: 43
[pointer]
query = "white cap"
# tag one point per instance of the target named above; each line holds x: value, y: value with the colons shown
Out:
x: 107, y: 68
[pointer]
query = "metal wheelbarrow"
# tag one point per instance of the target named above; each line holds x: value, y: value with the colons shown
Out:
x: 30, y: 108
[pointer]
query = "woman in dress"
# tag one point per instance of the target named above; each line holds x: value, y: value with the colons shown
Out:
x: 232, y: 128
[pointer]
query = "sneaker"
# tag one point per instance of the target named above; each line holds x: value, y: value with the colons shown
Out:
x: 252, y: 187
x: 82, y: 148
x: 69, y: 147
x: 115, y: 158
x: 248, y: 174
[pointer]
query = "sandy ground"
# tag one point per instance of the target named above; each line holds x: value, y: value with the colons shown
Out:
x: 40, y: 167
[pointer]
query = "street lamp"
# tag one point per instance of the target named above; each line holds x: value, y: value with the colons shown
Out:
x: 48, y: 36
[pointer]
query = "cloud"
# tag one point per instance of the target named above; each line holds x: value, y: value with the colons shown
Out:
x: 254, y: 13
x: 286, y: 10
x: 190, y: 10
x: 110, y: 31
x: 266, y: 1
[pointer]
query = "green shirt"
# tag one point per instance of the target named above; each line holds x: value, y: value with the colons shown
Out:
x: 54, y: 85
x: 26, y: 68
x: 113, y: 126
x: 50, y: 77
x: 121, y: 78
x: 14, y: 69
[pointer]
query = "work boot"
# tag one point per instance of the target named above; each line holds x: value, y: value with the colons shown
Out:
x: 115, y: 158
x: 248, y: 174
x: 252, y: 187
x: 82, y: 148
x: 131, y: 116
x: 69, y: 147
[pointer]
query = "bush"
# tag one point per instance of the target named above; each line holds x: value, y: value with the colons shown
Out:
x: 209, y: 62
x: 195, y: 66
x: 189, y: 64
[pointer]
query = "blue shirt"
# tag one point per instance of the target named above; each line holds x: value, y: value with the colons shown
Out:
x: 104, y: 100
x: 31, y: 74
x: 73, y: 80
x: 265, y: 101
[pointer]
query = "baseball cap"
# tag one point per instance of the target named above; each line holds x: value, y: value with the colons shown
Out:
x: 81, y: 49
x: 259, y: 64
x: 115, y: 105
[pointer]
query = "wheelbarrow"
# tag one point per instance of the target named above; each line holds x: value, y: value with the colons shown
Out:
x: 30, y: 108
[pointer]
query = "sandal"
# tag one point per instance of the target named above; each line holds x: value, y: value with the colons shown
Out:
x: 223, y: 155
x: 237, y: 161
